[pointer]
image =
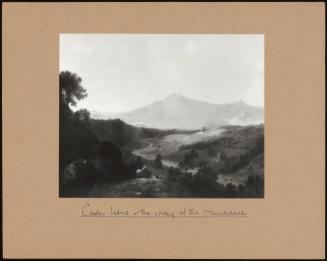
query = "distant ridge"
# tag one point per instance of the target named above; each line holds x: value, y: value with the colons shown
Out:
x: 178, y: 111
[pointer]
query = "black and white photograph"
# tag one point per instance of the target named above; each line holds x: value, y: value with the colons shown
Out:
x: 161, y: 116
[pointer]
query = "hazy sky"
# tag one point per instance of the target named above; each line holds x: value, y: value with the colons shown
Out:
x: 124, y: 71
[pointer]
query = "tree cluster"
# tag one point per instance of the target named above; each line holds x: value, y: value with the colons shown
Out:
x: 83, y: 158
x: 204, y: 183
x: 188, y: 159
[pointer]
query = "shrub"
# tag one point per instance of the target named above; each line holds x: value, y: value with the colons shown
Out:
x: 230, y: 189
x: 157, y: 162
x: 108, y: 163
x: 255, y: 184
x: 188, y: 159
x: 241, y: 188
x: 174, y: 174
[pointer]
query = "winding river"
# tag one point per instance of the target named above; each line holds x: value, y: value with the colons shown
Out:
x: 150, y: 152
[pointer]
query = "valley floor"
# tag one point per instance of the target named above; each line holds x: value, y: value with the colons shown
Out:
x: 169, y: 147
x: 239, y: 145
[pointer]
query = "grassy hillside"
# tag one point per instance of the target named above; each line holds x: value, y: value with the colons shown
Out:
x: 116, y: 131
x: 127, y: 136
x: 229, y: 149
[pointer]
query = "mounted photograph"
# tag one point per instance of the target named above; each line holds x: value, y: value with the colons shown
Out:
x: 161, y: 116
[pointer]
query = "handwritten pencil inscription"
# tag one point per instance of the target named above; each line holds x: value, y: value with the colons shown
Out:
x: 88, y: 210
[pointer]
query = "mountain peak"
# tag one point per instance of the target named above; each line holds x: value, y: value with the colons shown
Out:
x: 178, y: 111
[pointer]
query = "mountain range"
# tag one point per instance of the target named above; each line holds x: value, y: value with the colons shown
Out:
x: 180, y: 112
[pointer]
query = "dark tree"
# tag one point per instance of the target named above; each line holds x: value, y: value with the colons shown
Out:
x: 139, y: 162
x: 108, y: 150
x: 118, y: 131
x: 223, y: 155
x: 241, y: 189
x: 230, y: 189
x: 157, y: 162
x: 255, y: 184
x: 204, y: 182
x: 203, y: 163
x: 174, y: 174
x: 193, y: 154
x: 211, y: 151
x: 207, y: 175
x: 250, y: 183
x: 76, y: 140
x: 108, y: 163
x: 71, y: 89
x: 258, y: 184
x: 188, y: 159
x: 82, y: 115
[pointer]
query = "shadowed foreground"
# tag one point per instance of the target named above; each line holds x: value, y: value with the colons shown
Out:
x: 141, y: 187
